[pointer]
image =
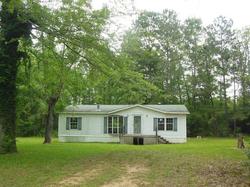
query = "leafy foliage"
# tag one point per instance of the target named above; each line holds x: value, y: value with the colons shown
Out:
x: 194, y: 65
x: 161, y: 60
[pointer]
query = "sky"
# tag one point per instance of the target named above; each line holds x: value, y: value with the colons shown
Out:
x: 207, y: 10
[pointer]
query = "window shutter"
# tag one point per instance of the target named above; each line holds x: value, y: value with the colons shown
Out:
x: 67, y: 123
x: 125, y: 125
x: 175, y: 124
x: 105, y: 124
x: 155, y: 123
x: 79, y: 123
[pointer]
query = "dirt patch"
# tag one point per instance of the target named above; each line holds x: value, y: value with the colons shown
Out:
x: 224, y: 174
x: 79, y: 178
x: 122, y: 182
x: 199, y: 172
x: 136, y: 169
x: 129, y: 178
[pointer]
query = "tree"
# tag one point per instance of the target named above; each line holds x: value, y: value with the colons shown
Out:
x: 65, y: 26
x: 244, y: 68
x: 78, y: 32
x: 144, y: 59
x: 221, y: 36
x: 192, y: 31
x: 157, y: 52
x: 13, y: 28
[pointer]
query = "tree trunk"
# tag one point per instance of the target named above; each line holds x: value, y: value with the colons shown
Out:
x: 240, y: 143
x: 225, y: 95
x: 244, y: 91
x: 8, y: 71
x: 186, y: 89
x: 234, y: 103
x: 12, y: 28
x: 50, y: 119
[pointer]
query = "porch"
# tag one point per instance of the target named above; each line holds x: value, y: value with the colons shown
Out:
x: 139, y: 139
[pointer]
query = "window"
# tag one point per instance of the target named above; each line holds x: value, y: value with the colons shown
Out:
x: 169, y: 124
x: 115, y: 124
x: 110, y: 129
x: 73, y: 123
x: 161, y: 124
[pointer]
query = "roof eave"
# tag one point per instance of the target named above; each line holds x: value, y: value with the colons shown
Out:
x: 106, y: 113
x: 77, y: 112
x: 126, y: 108
x: 146, y: 107
x: 121, y: 109
x: 182, y: 113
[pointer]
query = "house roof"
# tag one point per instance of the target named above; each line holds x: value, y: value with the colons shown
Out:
x: 109, y: 109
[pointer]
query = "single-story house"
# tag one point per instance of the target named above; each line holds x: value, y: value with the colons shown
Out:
x: 133, y: 124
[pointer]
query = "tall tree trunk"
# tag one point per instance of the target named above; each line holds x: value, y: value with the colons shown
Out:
x: 8, y: 70
x: 186, y: 89
x: 224, y: 88
x: 225, y: 95
x: 50, y: 119
x: 234, y: 101
x: 243, y: 90
x: 243, y: 78
x: 12, y: 28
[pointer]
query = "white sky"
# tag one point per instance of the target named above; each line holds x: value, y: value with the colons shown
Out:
x: 207, y: 10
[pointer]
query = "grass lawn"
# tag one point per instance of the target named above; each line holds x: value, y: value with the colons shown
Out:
x: 203, y: 162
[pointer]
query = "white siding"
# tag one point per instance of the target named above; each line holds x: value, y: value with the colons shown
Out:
x: 147, y: 117
x: 93, y: 126
x: 92, y: 130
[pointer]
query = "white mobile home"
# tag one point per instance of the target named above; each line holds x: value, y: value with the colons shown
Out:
x: 134, y: 124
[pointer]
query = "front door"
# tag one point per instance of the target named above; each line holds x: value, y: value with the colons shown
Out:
x: 137, y: 124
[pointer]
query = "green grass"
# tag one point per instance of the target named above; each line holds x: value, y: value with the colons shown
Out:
x: 210, y: 161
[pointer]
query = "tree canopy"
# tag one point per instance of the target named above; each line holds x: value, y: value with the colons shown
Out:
x: 51, y: 57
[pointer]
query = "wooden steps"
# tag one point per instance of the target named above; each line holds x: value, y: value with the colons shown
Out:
x: 162, y: 140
